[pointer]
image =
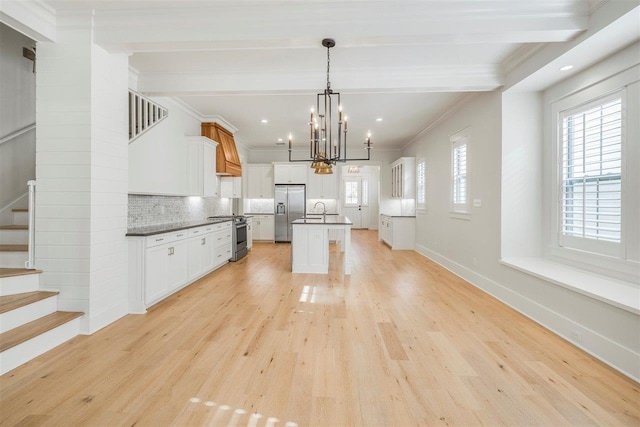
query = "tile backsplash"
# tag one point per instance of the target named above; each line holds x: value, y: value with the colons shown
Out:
x: 154, y: 210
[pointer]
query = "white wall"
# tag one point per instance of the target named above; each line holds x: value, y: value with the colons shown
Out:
x: 81, y: 173
x: 17, y: 110
x: 471, y: 248
x: 158, y: 159
x: 522, y: 174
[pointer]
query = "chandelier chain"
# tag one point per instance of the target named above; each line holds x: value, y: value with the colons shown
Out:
x: 328, y: 64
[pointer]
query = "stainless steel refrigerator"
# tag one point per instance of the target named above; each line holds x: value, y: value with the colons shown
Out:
x: 290, y: 204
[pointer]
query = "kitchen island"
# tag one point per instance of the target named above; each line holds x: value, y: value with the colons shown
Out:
x: 310, y: 243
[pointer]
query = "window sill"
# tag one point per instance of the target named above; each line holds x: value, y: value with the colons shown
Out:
x: 624, y: 295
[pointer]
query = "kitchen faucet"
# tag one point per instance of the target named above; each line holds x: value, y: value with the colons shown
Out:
x: 324, y: 210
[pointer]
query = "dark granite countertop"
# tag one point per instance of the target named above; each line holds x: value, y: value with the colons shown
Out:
x: 398, y: 216
x: 151, y: 230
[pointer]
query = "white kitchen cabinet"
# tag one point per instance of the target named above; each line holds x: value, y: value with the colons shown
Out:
x: 178, y: 267
x: 231, y: 187
x: 249, y: 233
x: 397, y: 232
x: 200, y: 250
x: 222, y: 244
x: 165, y: 264
x: 161, y: 264
x: 156, y: 273
x: 321, y: 186
x: 403, y: 178
x: 202, y: 178
x: 263, y: 227
x: 260, y: 181
x: 290, y: 173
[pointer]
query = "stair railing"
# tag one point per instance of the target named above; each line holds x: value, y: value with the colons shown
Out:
x: 143, y: 114
x: 30, y: 264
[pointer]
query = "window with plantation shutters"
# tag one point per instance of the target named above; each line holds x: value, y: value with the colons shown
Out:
x: 421, y: 185
x: 591, y: 175
x: 459, y: 183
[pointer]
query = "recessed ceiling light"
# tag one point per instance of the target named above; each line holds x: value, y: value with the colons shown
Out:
x: 566, y: 68
x: 279, y: 139
x: 264, y: 121
x: 379, y: 119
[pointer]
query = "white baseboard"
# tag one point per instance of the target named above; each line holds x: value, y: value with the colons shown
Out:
x: 611, y: 353
x: 106, y: 317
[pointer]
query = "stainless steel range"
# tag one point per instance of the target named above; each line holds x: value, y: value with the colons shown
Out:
x: 239, y: 237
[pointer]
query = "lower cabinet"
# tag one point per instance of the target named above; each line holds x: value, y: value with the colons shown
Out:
x: 397, y: 232
x: 161, y: 264
x: 263, y: 227
x: 249, y: 233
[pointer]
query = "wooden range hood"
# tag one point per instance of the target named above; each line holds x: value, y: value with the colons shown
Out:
x: 227, y: 159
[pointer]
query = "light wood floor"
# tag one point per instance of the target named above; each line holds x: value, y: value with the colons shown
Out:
x: 401, y: 342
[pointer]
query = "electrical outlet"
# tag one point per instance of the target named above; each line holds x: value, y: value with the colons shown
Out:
x: 575, y: 335
x: 475, y: 261
x: 477, y: 203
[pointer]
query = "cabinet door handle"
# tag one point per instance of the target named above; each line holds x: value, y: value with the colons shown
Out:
x: 180, y: 235
x: 171, y: 252
x: 204, y: 241
x: 196, y: 231
x: 159, y: 240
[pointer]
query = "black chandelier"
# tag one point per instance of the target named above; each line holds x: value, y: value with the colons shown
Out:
x: 326, y: 150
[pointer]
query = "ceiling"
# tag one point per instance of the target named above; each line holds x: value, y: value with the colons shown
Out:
x: 404, y: 61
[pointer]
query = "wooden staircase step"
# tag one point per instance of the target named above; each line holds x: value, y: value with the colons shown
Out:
x: 30, y: 330
x: 10, y: 272
x: 14, y: 227
x: 14, y: 248
x: 19, y: 210
x: 11, y: 302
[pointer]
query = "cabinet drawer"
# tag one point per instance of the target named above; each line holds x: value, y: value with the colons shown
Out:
x: 222, y: 254
x: 198, y: 231
x: 222, y: 238
x: 221, y: 226
x: 162, y: 239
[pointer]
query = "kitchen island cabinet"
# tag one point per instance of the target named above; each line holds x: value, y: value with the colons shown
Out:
x: 310, y: 243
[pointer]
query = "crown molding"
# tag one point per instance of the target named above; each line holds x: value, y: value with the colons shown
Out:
x: 33, y: 18
x: 221, y: 121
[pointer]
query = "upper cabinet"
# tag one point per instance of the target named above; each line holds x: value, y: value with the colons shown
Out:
x: 403, y: 178
x: 231, y: 187
x: 321, y: 186
x: 202, y: 178
x: 290, y: 173
x: 260, y: 181
x: 227, y: 159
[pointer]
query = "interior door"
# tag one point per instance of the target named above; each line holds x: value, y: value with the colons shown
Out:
x: 354, y: 201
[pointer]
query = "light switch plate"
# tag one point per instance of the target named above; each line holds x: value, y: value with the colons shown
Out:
x: 477, y: 203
